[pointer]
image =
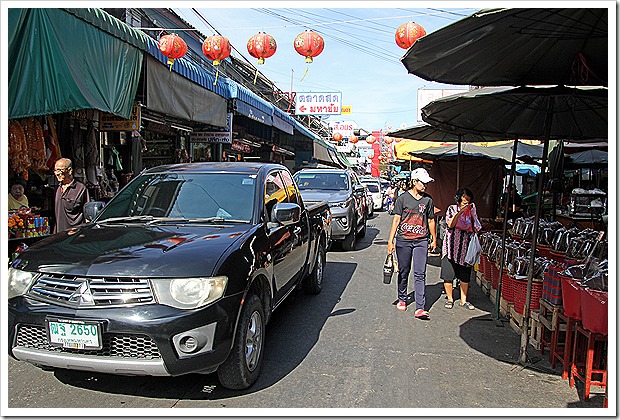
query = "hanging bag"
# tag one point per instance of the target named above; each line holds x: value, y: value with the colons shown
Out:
x: 389, y: 268
x: 473, y: 251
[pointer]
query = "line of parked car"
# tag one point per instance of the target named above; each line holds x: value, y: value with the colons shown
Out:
x: 352, y: 200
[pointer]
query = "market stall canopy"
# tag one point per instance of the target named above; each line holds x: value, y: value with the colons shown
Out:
x: 499, y: 152
x: 587, y: 159
x: 403, y: 148
x: 498, y: 47
x: 44, y: 80
x: 426, y: 132
x: 526, y: 112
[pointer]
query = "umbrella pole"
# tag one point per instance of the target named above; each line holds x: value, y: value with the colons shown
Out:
x: 458, y: 165
x: 505, y: 227
x: 539, y: 205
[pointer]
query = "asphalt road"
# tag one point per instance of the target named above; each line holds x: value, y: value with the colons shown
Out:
x: 346, y: 348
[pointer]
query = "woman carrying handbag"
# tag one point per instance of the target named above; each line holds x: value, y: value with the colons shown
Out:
x: 462, y: 224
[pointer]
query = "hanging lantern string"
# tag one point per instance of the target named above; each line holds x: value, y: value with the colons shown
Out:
x: 255, y: 76
x: 304, y: 75
x: 217, y: 73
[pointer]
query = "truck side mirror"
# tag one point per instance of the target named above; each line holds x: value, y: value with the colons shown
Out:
x: 91, y: 209
x: 287, y: 213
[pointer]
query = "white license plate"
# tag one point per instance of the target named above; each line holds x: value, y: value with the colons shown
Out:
x: 74, y: 334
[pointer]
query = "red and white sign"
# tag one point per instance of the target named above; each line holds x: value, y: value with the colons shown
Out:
x: 322, y: 103
x: 343, y: 127
x: 240, y: 147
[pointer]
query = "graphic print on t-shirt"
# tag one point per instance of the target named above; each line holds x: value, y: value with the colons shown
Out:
x: 412, y: 226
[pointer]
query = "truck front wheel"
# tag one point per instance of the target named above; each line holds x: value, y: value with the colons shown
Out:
x: 313, y: 283
x: 241, y: 368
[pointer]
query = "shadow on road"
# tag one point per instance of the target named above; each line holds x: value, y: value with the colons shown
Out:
x: 291, y: 334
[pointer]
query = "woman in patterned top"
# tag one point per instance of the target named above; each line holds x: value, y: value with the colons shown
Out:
x: 462, y: 221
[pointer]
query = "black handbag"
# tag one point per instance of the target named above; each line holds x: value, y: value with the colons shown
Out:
x: 388, y: 269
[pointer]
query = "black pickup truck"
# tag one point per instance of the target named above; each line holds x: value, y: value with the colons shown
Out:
x: 178, y: 273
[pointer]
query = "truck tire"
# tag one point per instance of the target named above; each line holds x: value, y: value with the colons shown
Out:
x: 313, y: 283
x: 241, y: 368
x: 349, y: 241
x: 362, y: 232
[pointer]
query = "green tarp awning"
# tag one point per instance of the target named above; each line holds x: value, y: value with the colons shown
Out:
x: 60, y: 62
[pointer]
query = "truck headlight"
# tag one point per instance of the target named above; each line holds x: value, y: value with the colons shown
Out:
x: 19, y: 282
x: 189, y: 293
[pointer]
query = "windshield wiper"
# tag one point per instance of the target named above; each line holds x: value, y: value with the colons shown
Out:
x: 124, y: 219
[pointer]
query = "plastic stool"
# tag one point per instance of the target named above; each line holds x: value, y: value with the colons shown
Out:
x: 561, y: 350
x: 589, y: 360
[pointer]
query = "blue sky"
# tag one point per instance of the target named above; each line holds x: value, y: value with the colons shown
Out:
x: 360, y: 59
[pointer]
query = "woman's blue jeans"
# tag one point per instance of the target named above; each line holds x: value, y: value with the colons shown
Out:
x: 408, y: 252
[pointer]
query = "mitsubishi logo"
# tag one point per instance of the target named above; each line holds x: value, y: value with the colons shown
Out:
x: 83, y: 295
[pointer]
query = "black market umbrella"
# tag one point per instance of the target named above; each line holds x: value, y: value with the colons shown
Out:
x: 497, y: 47
x: 426, y: 132
x: 526, y: 112
x: 538, y: 112
x: 587, y: 159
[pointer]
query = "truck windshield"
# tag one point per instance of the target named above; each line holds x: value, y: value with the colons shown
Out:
x: 191, y: 196
x: 321, y: 181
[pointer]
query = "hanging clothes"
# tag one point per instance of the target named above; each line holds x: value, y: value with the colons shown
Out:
x: 115, y: 159
x: 91, y: 155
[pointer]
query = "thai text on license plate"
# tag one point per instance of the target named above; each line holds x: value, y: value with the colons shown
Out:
x: 75, y: 334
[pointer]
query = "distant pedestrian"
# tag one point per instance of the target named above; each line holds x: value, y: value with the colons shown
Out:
x: 413, y: 227
x: 71, y: 195
x: 462, y: 222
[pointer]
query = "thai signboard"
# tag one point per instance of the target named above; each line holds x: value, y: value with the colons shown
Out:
x: 426, y: 96
x: 223, y: 136
x: 111, y: 122
x: 347, y: 109
x: 322, y: 103
x: 343, y: 127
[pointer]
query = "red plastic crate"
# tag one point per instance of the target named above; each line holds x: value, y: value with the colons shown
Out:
x: 520, y: 290
x: 594, y: 316
x: 543, y: 250
x: 552, y: 285
x: 571, y: 297
x: 508, y: 292
x: 557, y: 256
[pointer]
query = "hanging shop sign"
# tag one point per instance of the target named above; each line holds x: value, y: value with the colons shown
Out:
x: 347, y: 109
x: 223, y: 136
x: 343, y: 127
x: 240, y: 147
x: 111, y: 122
x: 322, y: 103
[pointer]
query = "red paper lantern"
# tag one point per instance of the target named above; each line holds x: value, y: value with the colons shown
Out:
x: 337, y: 136
x: 408, y: 33
x: 388, y: 139
x: 309, y: 44
x: 380, y: 157
x: 370, y: 139
x: 353, y: 139
x: 398, y: 139
x: 261, y: 46
x: 216, y: 48
x: 172, y: 46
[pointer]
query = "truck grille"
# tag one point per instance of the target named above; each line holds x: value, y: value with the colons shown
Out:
x: 75, y: 291
x: 132, y: 346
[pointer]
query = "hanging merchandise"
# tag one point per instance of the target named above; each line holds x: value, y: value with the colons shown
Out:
x: 309, y: 44
x: 18, y: 149
x: 408, y: 33
x: 91, y: 155
x: 172, y: 46
x: 261, y: 46
x: 35, y: 143
x: 216, y: 48
x: 52, y: 148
